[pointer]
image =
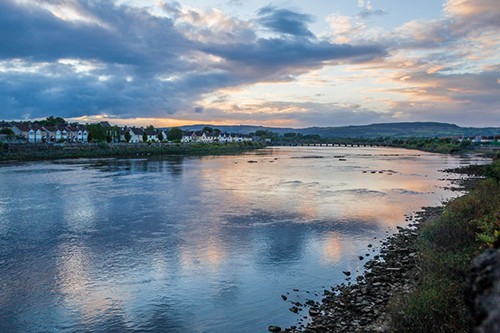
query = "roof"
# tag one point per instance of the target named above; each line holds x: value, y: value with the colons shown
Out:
x: 151, y: 131
x: 23, y: 127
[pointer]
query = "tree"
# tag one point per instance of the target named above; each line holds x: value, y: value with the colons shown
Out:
x: 51, y: 121
x: 7, y: 131
x: 208, y: 130
x: 144, y: 136
x: 127, y: 136
x: 174, y: 134
x: 109, y: 138
x: 160, y: 136
x: 97, y: 131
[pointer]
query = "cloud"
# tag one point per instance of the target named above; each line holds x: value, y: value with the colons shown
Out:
x: 366, y: 9
x: 234, y: 2
x: 85, y: 58
x: 444, y: 69
x: 285, y: 21
x: 75, y: 58
x: 278, y: 59
x: 131, y: 37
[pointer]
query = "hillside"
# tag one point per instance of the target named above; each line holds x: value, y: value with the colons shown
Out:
x: 404, y: 129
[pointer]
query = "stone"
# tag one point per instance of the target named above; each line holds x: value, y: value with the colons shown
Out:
x: 274, y: 328
x: 483, y: 291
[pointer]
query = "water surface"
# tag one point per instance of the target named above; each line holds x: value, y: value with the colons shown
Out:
x: 197, y: 244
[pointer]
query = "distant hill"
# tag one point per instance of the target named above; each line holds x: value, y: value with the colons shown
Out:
x: 404, y: 129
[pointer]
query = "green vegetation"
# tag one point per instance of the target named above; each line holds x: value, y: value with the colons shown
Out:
x: 96, y: 132
x: 6, y: 131
x: 435, y: 145
x: 447, y: 246
x: 51, y: 121
x: 174, y: 134
x: 127, y: 136
x: 123, y: 150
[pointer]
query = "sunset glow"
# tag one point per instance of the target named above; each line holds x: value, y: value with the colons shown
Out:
x: 291, y: 64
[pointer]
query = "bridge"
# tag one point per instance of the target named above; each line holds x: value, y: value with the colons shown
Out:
x: 332, y: 144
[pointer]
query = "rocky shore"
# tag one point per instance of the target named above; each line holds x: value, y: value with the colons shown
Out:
x: 367, y: 302
x: 360, y: 306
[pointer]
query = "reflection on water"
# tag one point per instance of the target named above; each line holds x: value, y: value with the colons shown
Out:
x: 205, y: 244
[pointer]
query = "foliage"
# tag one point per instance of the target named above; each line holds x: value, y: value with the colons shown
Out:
x: 114, y: 132
x: 105, y: 150
x: 127, y: 136
x: 6, y: 131
x: 174, y: 134
x: 447, y: 246
x: 144, y: 136
x: 51, y: 121
x: 97, y: 132
x: 160, y: 136
x: 208, y: 130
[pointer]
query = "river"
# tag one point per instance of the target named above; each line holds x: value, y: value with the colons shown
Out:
x: 198, y: 244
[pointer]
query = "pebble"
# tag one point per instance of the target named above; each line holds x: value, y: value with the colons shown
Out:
x: 360, y: 307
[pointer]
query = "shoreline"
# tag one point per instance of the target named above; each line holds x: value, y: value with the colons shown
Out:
x: 365, y: 304
x: 50, y: 152
x: 361, y: 305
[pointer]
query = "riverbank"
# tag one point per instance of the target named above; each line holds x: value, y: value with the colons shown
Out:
x: 417, y: 282
x: 51, y: 152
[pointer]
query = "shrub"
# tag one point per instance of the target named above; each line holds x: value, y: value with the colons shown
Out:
x: 447, y: 246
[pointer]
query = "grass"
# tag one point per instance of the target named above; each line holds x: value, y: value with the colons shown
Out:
x: 446, y: 247
x: 105, y: 150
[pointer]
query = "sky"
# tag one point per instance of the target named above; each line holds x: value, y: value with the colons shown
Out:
x: 290, y: 63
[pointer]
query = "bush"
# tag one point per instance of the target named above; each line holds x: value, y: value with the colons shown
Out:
x: 447, y: 246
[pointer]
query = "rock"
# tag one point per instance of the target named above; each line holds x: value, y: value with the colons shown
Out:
x: 314, y: 312
x: 284, y: 297
x: 361, y: 306
x: 274, y: 328
x: 483, y: 292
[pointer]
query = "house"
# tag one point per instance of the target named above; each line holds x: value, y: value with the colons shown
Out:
x: 52, y: 134
x: 135, y: 134
x: 152, y: 134
x: 22, y: 130
x: 36, y: 134
x: 187, y: 137
x: 477, y: 139
x: 164, y: 133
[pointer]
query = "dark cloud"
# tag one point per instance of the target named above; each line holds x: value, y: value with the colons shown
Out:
x: 143, y: 65
x: 285, y: 21
x: 277, y: 59
x: 130, y: 37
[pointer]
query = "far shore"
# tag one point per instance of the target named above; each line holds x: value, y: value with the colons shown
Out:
x: 36, y: 152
